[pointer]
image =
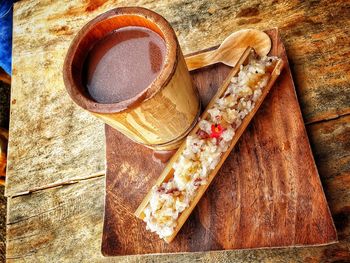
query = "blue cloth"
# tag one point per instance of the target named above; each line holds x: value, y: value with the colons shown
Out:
x: 6, y: 8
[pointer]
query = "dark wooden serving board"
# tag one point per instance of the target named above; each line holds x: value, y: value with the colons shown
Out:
x: 267, y: 193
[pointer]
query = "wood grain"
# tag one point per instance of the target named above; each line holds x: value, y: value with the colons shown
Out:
x: 316, y: 35
x: 316, y: 42
x: 330, y: 141
x: 48, y: 231
x: 41, y: 222
x: 266, y: 206
x: 48, y: 132
x: 64, y: 224
x: 26, y: 226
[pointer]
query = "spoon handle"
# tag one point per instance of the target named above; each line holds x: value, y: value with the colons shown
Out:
x: 201, y: 60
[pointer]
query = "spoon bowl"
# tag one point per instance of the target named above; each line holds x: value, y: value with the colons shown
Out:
x: 232, y: 48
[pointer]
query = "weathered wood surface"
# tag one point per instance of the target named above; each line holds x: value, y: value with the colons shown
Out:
x: 54, y: 141
x: 65, y: 223
x: 51, y: 139
x: 330, y: 142
x: 316, y: 35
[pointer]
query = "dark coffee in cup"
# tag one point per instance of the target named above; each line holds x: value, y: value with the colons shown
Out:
x: 124, y: 63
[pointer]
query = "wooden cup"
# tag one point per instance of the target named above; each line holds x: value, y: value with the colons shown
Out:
x: 161, y: 115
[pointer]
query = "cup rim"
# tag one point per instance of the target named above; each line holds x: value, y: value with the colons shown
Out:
x: 74, y: 83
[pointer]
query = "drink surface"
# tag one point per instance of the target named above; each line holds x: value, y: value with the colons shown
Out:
x: 124, y: 63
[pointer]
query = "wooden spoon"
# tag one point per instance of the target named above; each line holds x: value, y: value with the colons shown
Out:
x: 231, y: 49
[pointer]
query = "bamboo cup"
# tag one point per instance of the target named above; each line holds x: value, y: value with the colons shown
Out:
x: 161, y: 115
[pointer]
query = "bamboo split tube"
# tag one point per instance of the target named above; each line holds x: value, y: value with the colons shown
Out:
x: 168, y: 171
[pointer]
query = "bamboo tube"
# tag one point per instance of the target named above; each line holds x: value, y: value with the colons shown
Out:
x: 168, y: 171
x: 163, y: 113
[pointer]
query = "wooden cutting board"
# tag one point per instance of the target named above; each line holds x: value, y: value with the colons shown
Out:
x: 267, y: 194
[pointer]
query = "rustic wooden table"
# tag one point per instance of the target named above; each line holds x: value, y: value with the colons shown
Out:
x: 55, y: 183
